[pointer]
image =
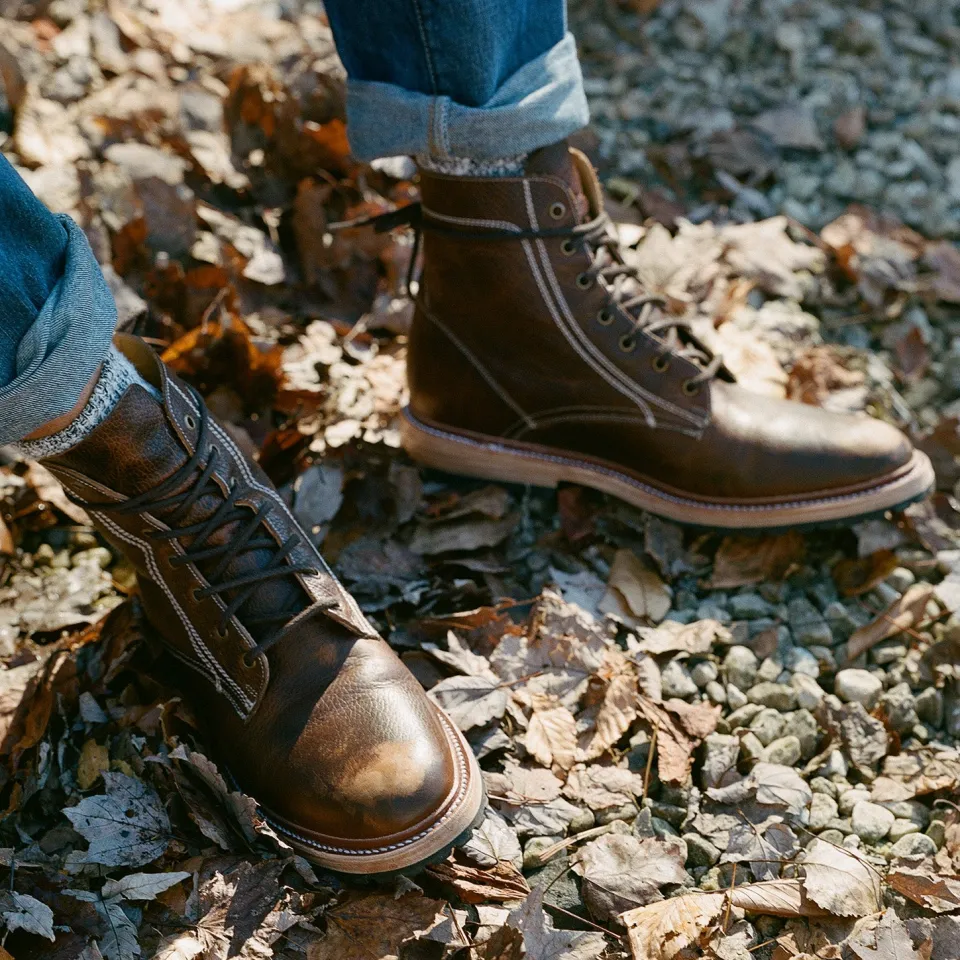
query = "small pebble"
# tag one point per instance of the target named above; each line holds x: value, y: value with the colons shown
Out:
x: 768, y: 725
x: 848, y: 799
x: 914, y: 845
x: 809, y: 692
x: 903, y: 828
x: 703, y: 673
x: 786, y: 750
x: 871, y: 822
x: 773, y: 695
x: 740, y: 667
x: 823, y: 809
x: 858, y: 686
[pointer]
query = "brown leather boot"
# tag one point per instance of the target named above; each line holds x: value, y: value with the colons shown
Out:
x: 536, y: 357
x: 312, y: 713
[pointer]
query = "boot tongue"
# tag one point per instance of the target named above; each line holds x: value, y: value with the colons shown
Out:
x: 556, y: 161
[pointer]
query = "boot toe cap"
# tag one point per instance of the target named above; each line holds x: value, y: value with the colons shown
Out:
x: 369, y: 765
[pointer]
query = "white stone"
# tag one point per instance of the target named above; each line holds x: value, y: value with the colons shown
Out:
x: 858, y: 686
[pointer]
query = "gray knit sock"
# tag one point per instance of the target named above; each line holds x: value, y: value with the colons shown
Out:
x: 465, y: 167
x: 116, y: 375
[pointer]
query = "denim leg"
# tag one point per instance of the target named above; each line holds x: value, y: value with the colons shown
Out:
x: 480, y: 79
x: 57, y: 315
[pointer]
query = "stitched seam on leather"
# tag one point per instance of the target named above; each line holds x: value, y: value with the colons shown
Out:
x: 623, y: 418
x: 616, y: 474
x: 198, y: 645
x: 557, y: 414
x: 463, y: 771
x: 609, y: 371
x: 471, y: 358
x: 473, y: 222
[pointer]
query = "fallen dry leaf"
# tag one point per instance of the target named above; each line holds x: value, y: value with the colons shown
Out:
x: 925, y: 885
x: 744, y: 560
x: 901, y: 615
x: 635, y: 592
x: 500, y: 883
x: 551, y: 736
x: 375, y: 926
x: 885, y: 939
x: 840, y: 881
x: 620, y: 872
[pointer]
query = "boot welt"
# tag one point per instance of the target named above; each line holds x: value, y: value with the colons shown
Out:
x: 494, y: 458
x: 406, y: 854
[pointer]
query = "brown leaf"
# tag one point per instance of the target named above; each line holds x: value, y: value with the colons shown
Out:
x: 618, y: 707
x: 942, y: 446
x: 673, y: 637
x: 743, y: 560
x: 675, y: 743
x: 662, y: 930
x: 551, y: 737
x: 375, y: 926
x: 817, y: 373
x: 635, y: 592
x: 913, y: 355
x: 854, y: 576
x: 499, y: 883
x: 901, y: 615
x: 935, y: 891
x: 850, y: 127
x: 840, y: 881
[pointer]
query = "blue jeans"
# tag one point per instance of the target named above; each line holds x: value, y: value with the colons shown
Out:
x: 480, y: 79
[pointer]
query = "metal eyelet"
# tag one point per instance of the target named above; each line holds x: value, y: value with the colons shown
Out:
x: 221, y: 632
x: 660, y: 364
x: 247, y: 662
x: 627, y: 343
x: 690, y: 388
x: 557, y: 210
x: 568, y: 248
x: 195, y: 594
x: 190, y: 422
x: 605, y: 318
x: 584, y: 281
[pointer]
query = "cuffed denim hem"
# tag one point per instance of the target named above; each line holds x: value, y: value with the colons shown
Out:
x: 543, y: 102
x: 64, y: 347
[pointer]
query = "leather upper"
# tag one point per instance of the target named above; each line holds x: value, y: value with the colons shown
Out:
x: 326, y: 727
x: 515, y: 339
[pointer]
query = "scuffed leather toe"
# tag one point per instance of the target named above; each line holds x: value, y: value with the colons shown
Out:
x: 370, y: 759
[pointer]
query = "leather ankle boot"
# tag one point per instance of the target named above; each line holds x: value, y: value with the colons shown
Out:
x: 536, y: 357
x: 310, y: 711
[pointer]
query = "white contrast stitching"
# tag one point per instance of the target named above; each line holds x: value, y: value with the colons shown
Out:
x: 599, y: 362
x: 196, y: 642
x: 491, y: 446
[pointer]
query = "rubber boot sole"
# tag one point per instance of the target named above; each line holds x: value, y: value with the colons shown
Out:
x: 492, y: 458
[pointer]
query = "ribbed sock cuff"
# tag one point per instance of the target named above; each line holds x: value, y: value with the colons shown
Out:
x: 465, y: 167
x: 116, y: 375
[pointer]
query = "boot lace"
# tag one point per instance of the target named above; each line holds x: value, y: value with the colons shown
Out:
x: 178, y: 497
x: 623, y: 282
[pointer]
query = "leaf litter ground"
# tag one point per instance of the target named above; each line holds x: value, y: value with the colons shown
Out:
x: 694, y: 745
